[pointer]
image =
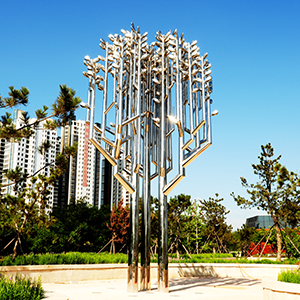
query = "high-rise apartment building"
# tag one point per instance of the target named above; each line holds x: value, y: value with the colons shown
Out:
x: 82, y: 179
x: 25, y: 155
x: 2, y: 148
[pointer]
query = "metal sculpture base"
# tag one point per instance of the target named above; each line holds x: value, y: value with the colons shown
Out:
x: 132, y: 279
x: 145, y: 278
x: 163, y: 278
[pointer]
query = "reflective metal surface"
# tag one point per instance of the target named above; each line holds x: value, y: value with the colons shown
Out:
x: 155, y: 97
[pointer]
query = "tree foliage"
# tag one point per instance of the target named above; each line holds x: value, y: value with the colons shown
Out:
x: 177, y: 217
x: 76, y: 227
x: 119, y: 224
x: 276, y: 192
x: 245, y: 236
x: 26, y: 208
x: 194, y: 227
x: 216, y: 228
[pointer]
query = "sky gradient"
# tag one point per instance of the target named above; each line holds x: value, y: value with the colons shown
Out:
x: 253, y: 47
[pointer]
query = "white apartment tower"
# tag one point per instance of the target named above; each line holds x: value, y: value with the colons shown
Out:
x: 25, y: 155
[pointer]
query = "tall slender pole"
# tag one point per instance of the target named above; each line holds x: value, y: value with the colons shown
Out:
x: 132, y: 285
x: 146, y: 199
x: 163, y: 278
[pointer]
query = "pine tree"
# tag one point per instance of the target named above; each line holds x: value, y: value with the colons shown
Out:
x: 214, y: 219
x: 276, y: 192
x: 26, y: 208
x: 177, y: 207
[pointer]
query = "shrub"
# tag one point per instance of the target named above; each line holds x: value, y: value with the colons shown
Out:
x: 64, y: 259
x: 292, y: 276
x: 16, y: 288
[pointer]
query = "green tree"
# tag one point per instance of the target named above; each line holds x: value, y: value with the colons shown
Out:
x: 154, y: 232
x: 25, y: 209
x: 276, y: 192
x: 76, y: 227
x: 245, y: 237
x: 194, y: 227
x: 214, y: 219
x: 177, y: 207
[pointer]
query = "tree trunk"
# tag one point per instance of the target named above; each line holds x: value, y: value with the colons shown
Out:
x: 177, y: 251
x: 279, y: 244
x: 15, y: 249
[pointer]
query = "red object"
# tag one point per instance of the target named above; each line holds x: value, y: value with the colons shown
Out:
x: 269, y: 249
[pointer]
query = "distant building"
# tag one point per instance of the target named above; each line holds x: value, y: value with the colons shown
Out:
x: 25, y: 155
x: 260, y: 222
x: 2, y: 150
x: 82, y: 180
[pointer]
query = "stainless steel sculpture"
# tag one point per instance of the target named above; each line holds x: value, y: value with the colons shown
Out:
x: 160, y: 96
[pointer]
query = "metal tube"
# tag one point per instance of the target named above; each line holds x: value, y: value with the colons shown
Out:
x: 190, y: 93
x: 146, y: 209
x: 203, y: 101
x: 120, y: 110
x: 132, y: 280
x: 105, y: 92
x: 92, y: 115
x: 88, y: 113
x: 163, y: 277
x: 179, y: 106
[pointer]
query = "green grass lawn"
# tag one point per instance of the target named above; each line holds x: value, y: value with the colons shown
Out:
x: 106, y: 258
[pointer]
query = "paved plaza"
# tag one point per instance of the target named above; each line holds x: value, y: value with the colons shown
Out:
x: 180, y: 288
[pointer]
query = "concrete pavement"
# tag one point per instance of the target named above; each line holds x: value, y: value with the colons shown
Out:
x: 180, y: 288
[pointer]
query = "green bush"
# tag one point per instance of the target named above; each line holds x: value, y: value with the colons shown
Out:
x: 20, y: 288
x: 292, y: 276
x: 69, y: 258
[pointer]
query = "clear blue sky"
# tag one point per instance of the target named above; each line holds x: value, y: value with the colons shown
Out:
x: 253, y: 47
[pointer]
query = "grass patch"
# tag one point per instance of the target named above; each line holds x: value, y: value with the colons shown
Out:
x: 17, y: 288
x: 70, y: 258
x: 291, y: 276
x: 79, y: 258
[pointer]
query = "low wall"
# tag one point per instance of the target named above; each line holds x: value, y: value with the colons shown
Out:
x: 75, y: 273
x: 274, y: 289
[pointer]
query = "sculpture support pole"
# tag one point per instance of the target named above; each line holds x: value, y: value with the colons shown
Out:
x: 163, y: 277
x: 134, y: 205
x: 132, y: 277
x: 146, y: 204
x: 146, y: 200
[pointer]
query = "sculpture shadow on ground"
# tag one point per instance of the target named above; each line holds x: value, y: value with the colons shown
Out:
x: 196, y: 276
